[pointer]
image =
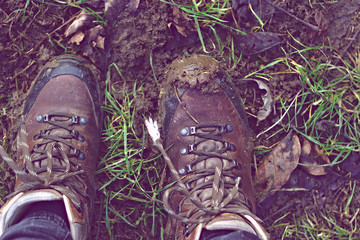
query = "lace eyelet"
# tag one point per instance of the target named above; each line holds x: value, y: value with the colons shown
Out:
x: 188, y: 168
x: 229, y: 128
x: 39, y: 118
x: 183, y: 151
x: 75, y: 119
x: 188, y: 131
x: 82, y: 121
x: 185, y: 170
x: 184, y: 132
x: 81, y: 138
x: 76, y: 152
x: 230, y: 146
x: 226, y: 128
x: 74, y: 134
x: 236, y: 164
x: 46, y: 118
x: 81, y: 156
x: 36, y: 137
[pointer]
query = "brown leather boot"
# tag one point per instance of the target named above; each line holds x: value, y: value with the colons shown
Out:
x: 207, y: 133
x: 58, y: 143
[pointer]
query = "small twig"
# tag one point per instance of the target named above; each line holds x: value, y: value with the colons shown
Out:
x: 315, y: 28
x: 278, y: 121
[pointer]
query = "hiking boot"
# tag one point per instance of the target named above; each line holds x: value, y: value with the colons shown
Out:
x: 57, y: 144
x: 207, y: 133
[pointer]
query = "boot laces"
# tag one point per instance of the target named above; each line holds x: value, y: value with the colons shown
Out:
x: 226, y: 196
x: 52, y: 163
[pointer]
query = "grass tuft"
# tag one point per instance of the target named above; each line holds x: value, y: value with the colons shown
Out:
x: 130, y: 179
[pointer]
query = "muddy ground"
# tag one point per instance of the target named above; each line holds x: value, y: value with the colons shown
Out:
x: 31, y: 37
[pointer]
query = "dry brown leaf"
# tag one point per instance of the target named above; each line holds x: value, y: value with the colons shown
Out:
x: 311, y: 154
x: 267, y: 98
x: 82, y: 20
x: 77, y: 38
x: 100, y: 42
x: 133, y: 5
x: 276, y: 169
x: 94, y: 32
x: 180, y: 29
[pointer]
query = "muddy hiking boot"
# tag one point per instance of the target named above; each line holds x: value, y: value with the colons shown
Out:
x: 57, y: 145
x: 207, y: 133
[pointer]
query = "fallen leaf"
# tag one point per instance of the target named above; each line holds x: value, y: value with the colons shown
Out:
x: 77, y: 38
x: 180, y: 29
x: 100, y: 42
x: 311, y: 154
x: 267, y: 99
x: 276, y: 169
x: 133, y: 5
x: 254, y: 43
x: 94, y: 32
x: 82, y: 20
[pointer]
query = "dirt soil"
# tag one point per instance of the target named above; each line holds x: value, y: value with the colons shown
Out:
x: 31, y: 37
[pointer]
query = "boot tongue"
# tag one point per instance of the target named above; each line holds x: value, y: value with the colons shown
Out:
x: 210, y: 163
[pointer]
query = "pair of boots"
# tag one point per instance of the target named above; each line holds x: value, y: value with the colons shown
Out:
x: 203, y: 121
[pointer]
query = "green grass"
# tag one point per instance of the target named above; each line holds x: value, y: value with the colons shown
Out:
x: 207, y: 14
x: 329, y: 94
x: 326, y: 112
x: 130, y: 181
x: 321, y: 225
